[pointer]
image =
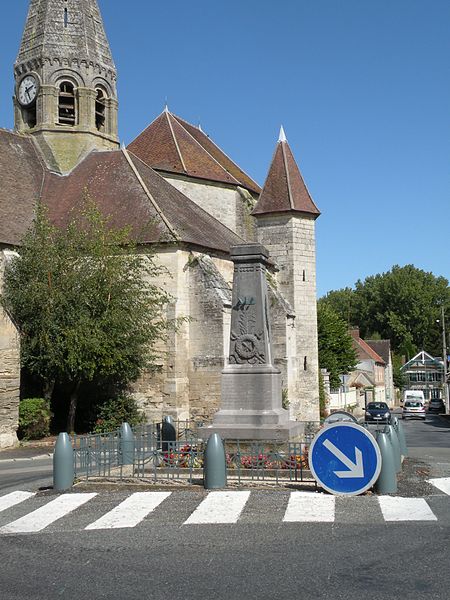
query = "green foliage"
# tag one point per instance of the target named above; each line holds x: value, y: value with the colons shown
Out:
x: 322, y: 397
x: 401, y: 305
x: 399, y: 378
x: 285, y: 398
x: 85, y: 303
x: 336, y: 353
x: 116, y: 411
x: 34, y: 419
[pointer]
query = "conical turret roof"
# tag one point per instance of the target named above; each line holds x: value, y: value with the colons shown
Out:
x: 284, y: 189
x: 65, y: 30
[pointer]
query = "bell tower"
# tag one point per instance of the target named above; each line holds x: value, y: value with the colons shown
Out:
x: 65, y: 82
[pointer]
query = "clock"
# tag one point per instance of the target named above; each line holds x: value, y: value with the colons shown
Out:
x: 27, y: 90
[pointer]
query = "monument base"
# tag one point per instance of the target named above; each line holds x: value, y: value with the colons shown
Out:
x: 291, y: 431
x: 258, y: 389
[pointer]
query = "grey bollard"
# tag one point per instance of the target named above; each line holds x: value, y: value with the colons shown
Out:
x: 401, y: 436
x: 168, y: 433
x: 390, y: 429
x: 126, y: 446
x: 63, y: 471
x: 387, y: 480
x: 215, y: 466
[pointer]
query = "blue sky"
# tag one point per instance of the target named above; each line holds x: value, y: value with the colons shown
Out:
x: 362, y: 88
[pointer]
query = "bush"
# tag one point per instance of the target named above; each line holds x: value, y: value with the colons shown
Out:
x: 34, y: 419
x: 116, y: 411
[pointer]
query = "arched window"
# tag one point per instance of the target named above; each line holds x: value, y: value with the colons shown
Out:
x: 66, y: 104
x: 100, y: 109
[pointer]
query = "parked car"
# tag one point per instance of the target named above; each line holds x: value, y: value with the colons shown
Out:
x: 377, y: 412
x: 414, y: 408
x: 436, y: 405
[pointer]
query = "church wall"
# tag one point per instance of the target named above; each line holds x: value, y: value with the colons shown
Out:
x: 9, y: 376
x: 167, y: 391
x: 291, y: 243
x: 227, y: 204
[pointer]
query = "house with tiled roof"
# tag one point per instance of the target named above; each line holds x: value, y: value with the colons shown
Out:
x: 180, y: 194
x: 369, y: 373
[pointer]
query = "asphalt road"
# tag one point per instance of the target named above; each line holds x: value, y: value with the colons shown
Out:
x: 270, y: 560
x: 260, y: 556
x: 434, y: 432
x: 25, y: 474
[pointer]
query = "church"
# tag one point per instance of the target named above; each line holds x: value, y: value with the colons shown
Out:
x: 173, y: 176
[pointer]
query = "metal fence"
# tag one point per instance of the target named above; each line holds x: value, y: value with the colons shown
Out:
x: 163, y: 453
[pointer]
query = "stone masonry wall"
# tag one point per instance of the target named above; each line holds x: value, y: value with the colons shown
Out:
x: 9, y: 376
x: 290, y: 240
x: 229, y: 205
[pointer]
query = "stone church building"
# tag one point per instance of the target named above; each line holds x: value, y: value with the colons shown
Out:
x: 176, y: 189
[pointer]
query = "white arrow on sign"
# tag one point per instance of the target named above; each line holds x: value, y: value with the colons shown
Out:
x: 356, y: 469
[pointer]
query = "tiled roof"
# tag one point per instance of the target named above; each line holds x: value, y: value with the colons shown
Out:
x: 21, y: 176
x: 382, y: 348
x: 363, y: 350
x: 284, y: 189
x: 172, y: 145
x: 132, y: 194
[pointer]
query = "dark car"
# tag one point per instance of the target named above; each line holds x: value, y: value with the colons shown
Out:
x: 377, y: 412
x: 436, y: 405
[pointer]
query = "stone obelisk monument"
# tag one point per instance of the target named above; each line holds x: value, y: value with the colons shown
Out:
x: 251, y: 405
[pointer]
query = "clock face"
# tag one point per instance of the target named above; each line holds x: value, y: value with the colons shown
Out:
x: 27, y: 90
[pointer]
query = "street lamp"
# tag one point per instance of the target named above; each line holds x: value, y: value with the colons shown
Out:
x: 445, y: 397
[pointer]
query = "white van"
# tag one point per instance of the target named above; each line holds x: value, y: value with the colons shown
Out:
x: 414, y: 395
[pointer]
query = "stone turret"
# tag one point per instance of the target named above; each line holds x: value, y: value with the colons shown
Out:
x: 65, y: 94
x: 286, y: 217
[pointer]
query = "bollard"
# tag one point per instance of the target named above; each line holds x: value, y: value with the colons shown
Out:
x: 63, y: 471
x: 390, y: 430
x: 126, y: 447
x: 215, y: 466
x: 387, y: 481
x: 168, y: 433
x: 401, y: 436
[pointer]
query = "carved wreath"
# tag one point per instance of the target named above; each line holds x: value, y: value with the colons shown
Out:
x: 247, y: 342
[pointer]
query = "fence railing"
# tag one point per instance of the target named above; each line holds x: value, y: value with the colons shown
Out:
x: 177, y: 453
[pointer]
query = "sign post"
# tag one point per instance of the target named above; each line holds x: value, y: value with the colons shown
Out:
x: 345, y: 459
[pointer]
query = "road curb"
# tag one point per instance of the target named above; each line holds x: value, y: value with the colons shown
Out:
x: 26, y: 458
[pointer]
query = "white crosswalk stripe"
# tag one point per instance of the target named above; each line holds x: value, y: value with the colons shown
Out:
x: 225, y: 506
x: 405, y: 509
x: 47, y: 514
x: 442, y: 483
x: 219, y: 507
x: 306, y: 507
x: 14, y: 498
x: 131, y: 511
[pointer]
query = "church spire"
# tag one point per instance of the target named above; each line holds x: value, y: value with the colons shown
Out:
x: 65, y: 30
x: 66, y: 81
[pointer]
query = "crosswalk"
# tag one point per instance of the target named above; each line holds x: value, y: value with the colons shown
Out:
x: 20, y: 515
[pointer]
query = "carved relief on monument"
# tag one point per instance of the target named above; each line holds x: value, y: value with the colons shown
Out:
x: 247, y: 341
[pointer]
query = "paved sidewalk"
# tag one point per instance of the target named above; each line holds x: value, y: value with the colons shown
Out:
x: 28, y: 452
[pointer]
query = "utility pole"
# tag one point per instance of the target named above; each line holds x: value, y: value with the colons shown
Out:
x: 445, y: 397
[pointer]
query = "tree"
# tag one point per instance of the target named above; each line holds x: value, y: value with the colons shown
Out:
x: 336, y: 352
x: 85, y: 303
x: 401, y: 305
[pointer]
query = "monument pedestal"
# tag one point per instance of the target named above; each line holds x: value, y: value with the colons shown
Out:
x: 258, y: 389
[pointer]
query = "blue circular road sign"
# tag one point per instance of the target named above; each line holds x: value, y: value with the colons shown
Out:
x: 344, y: 458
